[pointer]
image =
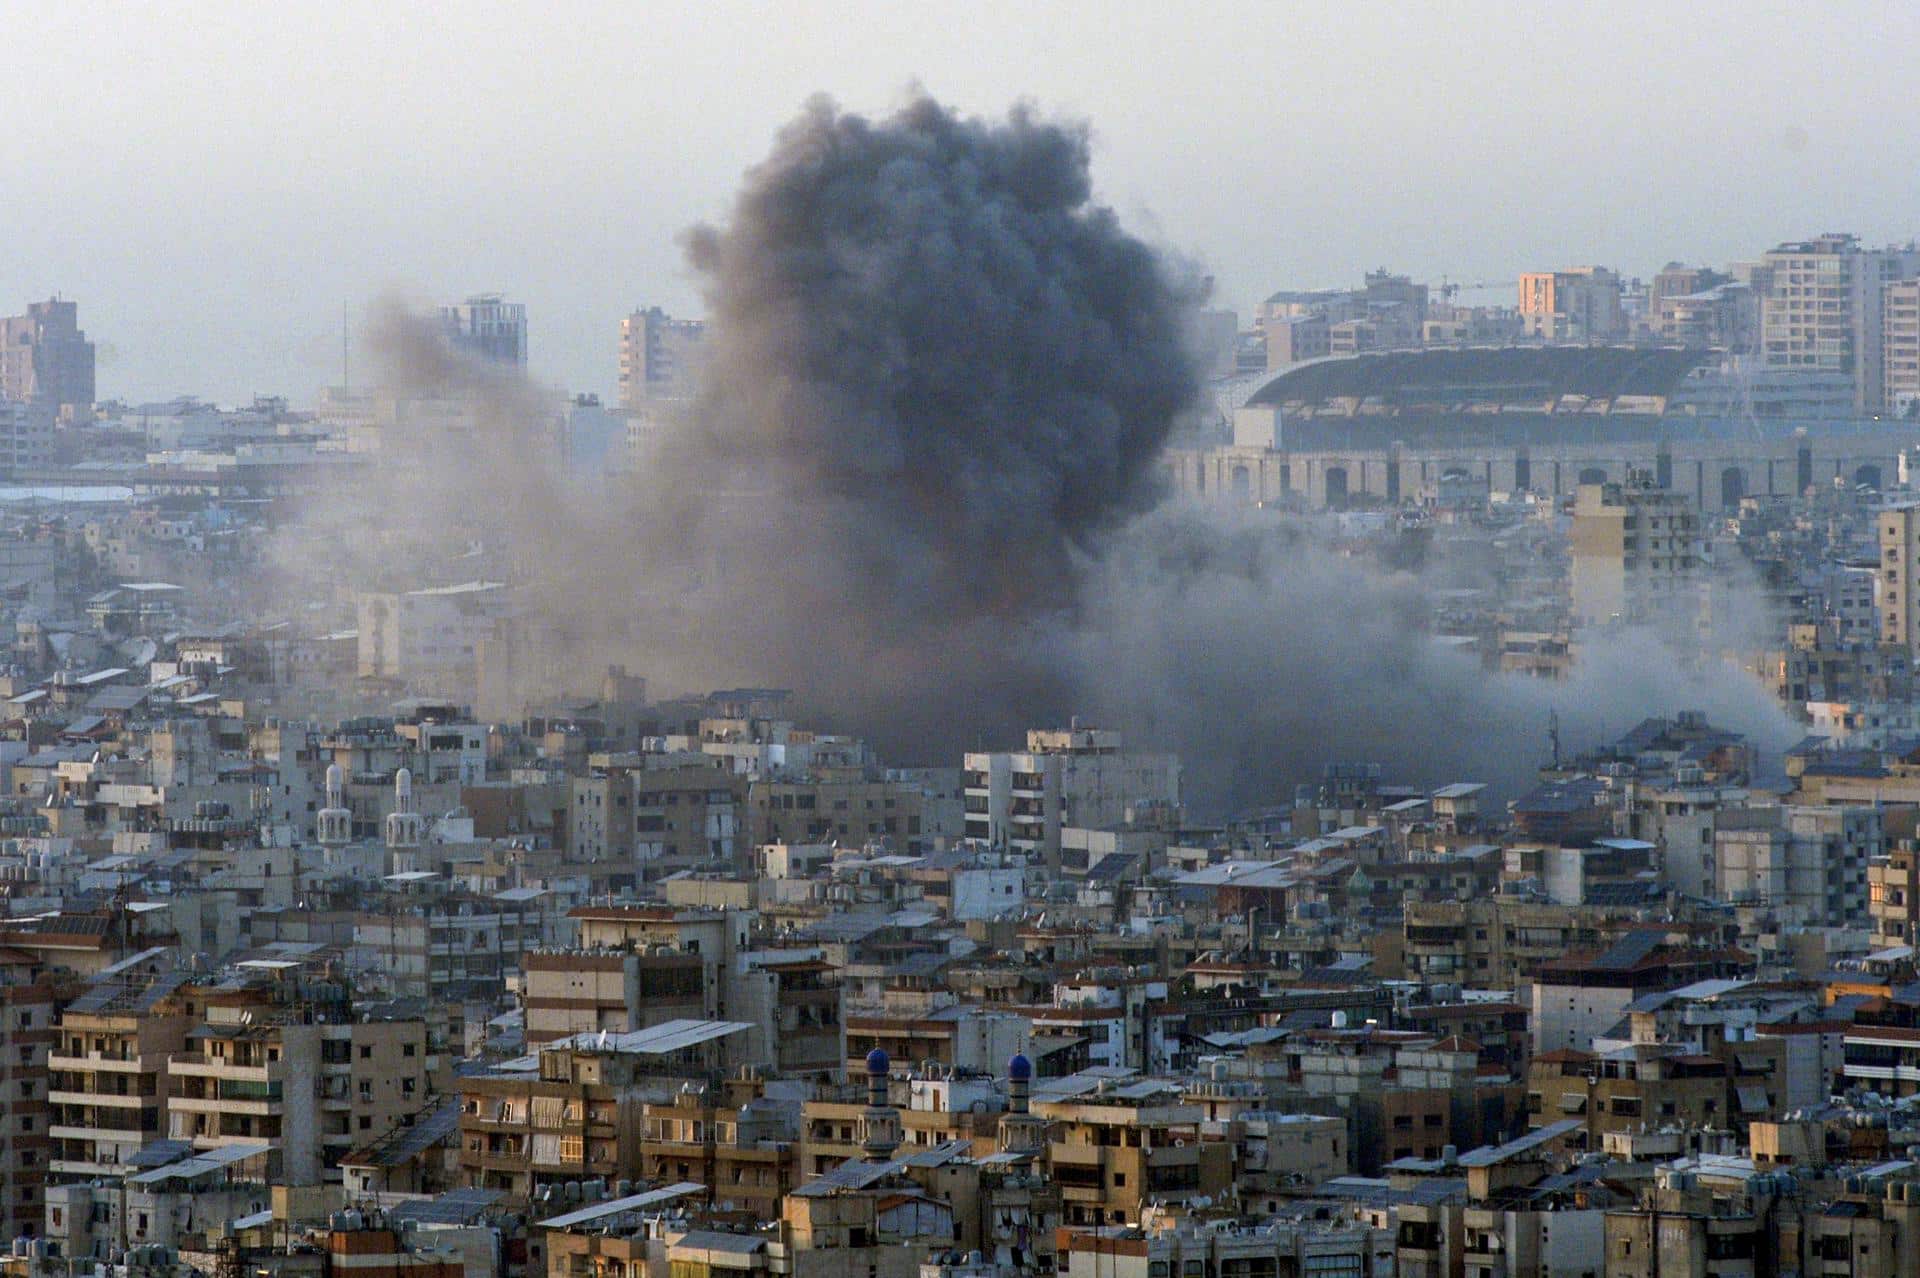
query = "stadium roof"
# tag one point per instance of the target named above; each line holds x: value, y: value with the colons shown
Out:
x: 1439, y: 380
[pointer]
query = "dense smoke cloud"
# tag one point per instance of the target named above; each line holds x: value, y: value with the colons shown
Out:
x: 921, y: 487
x: 939, y: 375
x: 1264, y: 653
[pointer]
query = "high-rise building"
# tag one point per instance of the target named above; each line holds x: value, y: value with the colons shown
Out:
x: 660, y: 357
x: 1900, y: 347
x: 1579, y: 304
x: 488, y: 328
x: 1636, y: 554
x: 1899, y: 545
x: 1824, y: 309
x: 26, y: 435
x: 1066, y: 777
x: 45, y: 359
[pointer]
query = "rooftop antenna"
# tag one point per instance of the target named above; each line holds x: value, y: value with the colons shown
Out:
x: 1553, y: 736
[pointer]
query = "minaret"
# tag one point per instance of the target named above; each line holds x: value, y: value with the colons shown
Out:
x: 403, y: 827
x: 1020, y: 1131
x: 880, y: 1125
x: 336, y: 822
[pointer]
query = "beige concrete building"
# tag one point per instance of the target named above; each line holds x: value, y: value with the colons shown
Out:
x: 660, y: 357
x: 108, y: 1073
x: 1826, y: 306
x: 1079, y: 777
x: 1899, y: 576
x: 1900, y: 346
x: 45, y: 358
x: 1637, y: 555
x: 1113, y: 1151
x: 1581, y: 303
x: 1292, y: 339
x: 313, y: 1091
x: 1893, y: 897
x: 665, y: 814
x: 27, y: 1000
x: 575, y: 1109
x: 430, y: 639
x: 588, y: 990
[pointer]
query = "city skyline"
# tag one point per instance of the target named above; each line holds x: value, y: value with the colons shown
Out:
x: 328, y: 166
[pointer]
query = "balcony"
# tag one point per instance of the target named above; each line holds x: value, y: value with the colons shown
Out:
x: 106, y: 1061
x: 201, y: 1065
x: 79, y: 1128
x: 214, y: 1105
x: 110, y: 1100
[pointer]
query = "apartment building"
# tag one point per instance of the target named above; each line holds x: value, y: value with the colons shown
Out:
x: 852, y: 811
x: 488, y: 328
x: 108, y: 1070
x: 659, y: 814
x: 1806, y: 866
x: 156, y: 1206
x: 567, y: 992
x: 575, y: 1109
x: 1653, y: 1085
x: 1295, y: 1249
x: 660, y: 357
x: 302, y: 1075
x: 1579, y: 997
x: 46, y: 359
x: 1702, y: 1216
x: 1825, y: 308
x: 1582, y: 303
x: 1899, y: 528
x: 794, y: 997
x: 1900, y: 346
x: 738, y: 1144
x: 1080, y: 777
x: 1122, y: 1144
x: 1637, y: 555
x: 1498, y: 942
x: 1293, y: 339
x: 1893, y: 896
x: 443, y: 947
x: 26, y: 435
x: 942, y: 1106
x: 1871, y: 1231
x: 430, y: 638
x: 28, y: 996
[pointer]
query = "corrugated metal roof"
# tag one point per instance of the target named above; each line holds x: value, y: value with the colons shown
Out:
x: 632, y: 1202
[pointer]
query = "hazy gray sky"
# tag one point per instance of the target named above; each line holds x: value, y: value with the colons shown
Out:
x: 214, y: 182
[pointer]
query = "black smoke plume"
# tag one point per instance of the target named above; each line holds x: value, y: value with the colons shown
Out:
x: 919, y: 486
x: 940, y: 376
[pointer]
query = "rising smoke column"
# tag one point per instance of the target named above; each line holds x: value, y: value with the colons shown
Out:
x: 939, y: 373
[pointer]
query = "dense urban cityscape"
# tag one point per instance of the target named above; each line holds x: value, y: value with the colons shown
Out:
x: 970, y: 759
